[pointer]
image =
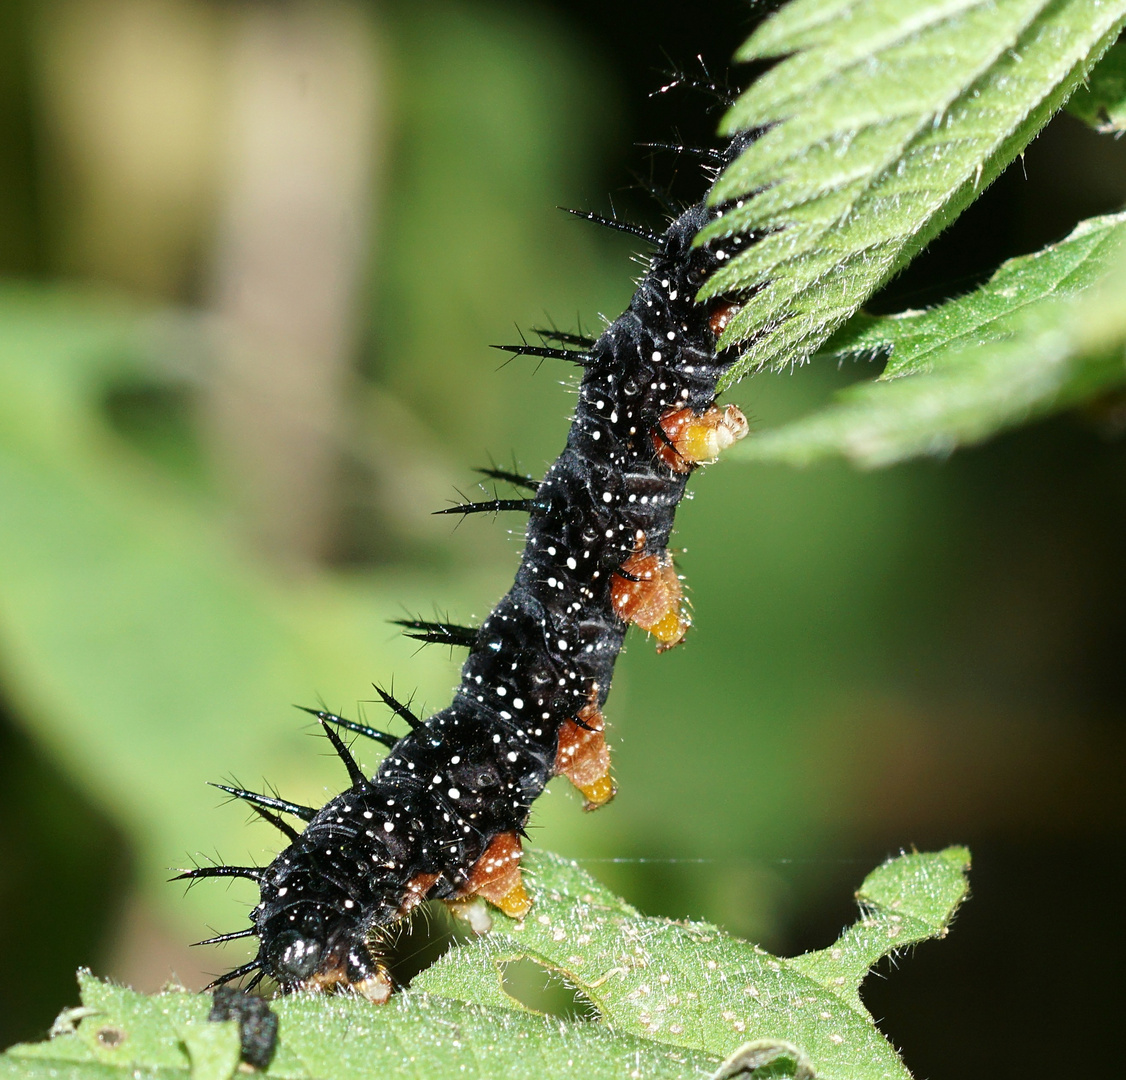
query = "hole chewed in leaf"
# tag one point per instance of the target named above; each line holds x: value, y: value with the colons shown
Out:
x: 545, y: 990
x: 763, y: 1058
x: 109, y: 1036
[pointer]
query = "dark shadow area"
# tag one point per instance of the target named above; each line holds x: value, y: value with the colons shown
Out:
x: 63, y: 873
x: 422, y: 938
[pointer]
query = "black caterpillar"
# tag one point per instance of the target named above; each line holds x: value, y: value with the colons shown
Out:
x: 443, y: 816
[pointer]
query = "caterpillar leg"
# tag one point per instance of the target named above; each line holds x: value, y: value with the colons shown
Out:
x: 687, y: 439
x: 496, y: 877
x: 584, y: 758
x: 647, y: 593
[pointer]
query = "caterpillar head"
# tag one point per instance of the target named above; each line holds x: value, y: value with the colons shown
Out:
x: 314, y: 936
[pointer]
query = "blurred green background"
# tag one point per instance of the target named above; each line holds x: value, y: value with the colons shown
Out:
x: 253, y: 256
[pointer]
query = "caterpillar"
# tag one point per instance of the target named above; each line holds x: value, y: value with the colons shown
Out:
x: 444, y: 815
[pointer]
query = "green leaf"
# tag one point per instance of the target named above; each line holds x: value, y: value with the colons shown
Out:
x: 692, y: 985
x: 916, y: 341
x: 886, y: 119
x: 1101, y: 101
x: 417, y: 1034
x: 213, y: 1048
x: 673, y: 1000
x: 1034, y: 340
x: 905, y: 901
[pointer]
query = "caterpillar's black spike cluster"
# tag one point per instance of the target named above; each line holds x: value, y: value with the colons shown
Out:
x: 617, y: 225
x: 440, y: 633
x: 493, y: 506
x: 278, y: 823
x: 238, y: 973
x: 580, y: 341
x: 355, y: 773
x: 382, y: 737
x: 721, y: 92
x: 547, y: 352
x: 708, y: 153
x: 444, y: 815
x: 253, y: 873
x: 516, y: 479
x: 399, y: 708
x: 222, y: 939
x: 269, y: 802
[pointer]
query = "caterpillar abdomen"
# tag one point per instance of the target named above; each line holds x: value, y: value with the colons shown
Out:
x: 443, y: 816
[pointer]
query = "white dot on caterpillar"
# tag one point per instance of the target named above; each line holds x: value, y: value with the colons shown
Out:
x: 453, y: 793
x: 511, y: 755
x: 596, y: 435
x: 501, y: 691
x: 664, y: 283
x: 671, y: 335
x: 551, y: 551
x: 518, y: 703
x: 656, y: 356
x: 388, y: 826
x: 673, y: 294
x: 607, y: 497
x: 496, y: 738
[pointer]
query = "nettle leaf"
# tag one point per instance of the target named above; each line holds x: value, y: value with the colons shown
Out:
x: 916, y: 341
x: 885, y: 120
x: 667, y: 999
x: 1037, y: 338
x: 692, y: 985
x: 1101, y: 101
